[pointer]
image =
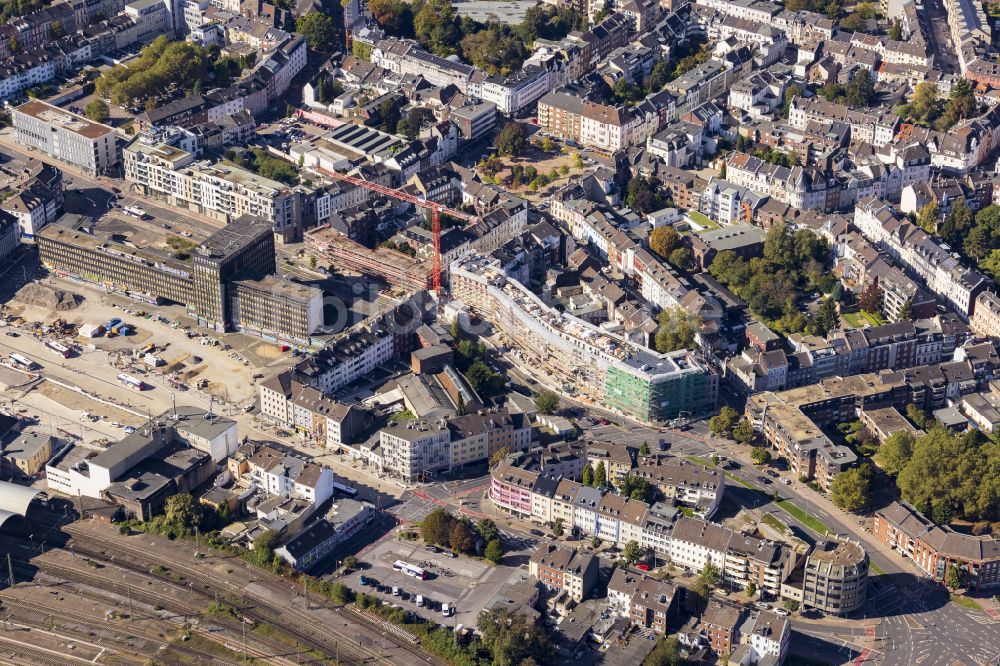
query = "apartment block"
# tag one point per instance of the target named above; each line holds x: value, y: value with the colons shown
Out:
x: 564, y: 570
x: 935, y: 549
x: 66, y: 136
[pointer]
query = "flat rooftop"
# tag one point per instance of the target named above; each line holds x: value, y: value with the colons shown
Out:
x: 53, y: 115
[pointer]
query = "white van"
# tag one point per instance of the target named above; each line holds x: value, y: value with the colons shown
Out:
x: 446, y: 610
x: 420, y: 600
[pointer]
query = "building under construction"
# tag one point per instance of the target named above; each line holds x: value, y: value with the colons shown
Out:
x: 396, y: 268
x: 227, y: 281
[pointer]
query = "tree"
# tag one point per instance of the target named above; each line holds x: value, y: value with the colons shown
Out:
x: 871, y: 297
x: 588, y: 475
x: 595, y: 543
x: 632, y: 552
x: 341, y: 594
x: 319, y: 31
x: 942, y: 511
x: 512, y: 639
x: 744, y: 432
x: 895, y: 452
x: 350, y: 562
x: 961, y: 105
x: 56, y: 30
x: 957, y: 224
x: 905, y: 312
x: 499, y: 455
x: 664, y: 240
x: 97, y: 110
x: 851, y: 489
x: 896, y: 31
x: 723, y: 423
x: 600, y: 476
x: 778, y: 247
x: 791, y: 605
x: 636, y: 487
x: 546, y: 402
x: 460, y: 538
x: 667, y: 652
x: 436, y: 527
x: 548, y: 145
x: 557, y: 527
x: 677, y: 330
x: 643, y: 195
x: 861, y: 89
x: 760, y: 455
x: 682, y: 259
x: 827, y: 318
x: 956, y: 576
x: 494, y: 551
x: 644, y: 450
x: 659, y: 77
x: 182, y: 512
x: 924, y: 106
x: 266, y: 541
x: 750, y: 589
x: 511, y: 140
x: 487, y: 529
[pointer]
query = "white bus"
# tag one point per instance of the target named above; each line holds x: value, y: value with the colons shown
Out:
x: 131, y: 382
x: 58, y: 348
x: 134, y: 211
x: 346, y: 491
x: 409, y: 569
x: 23, y: 362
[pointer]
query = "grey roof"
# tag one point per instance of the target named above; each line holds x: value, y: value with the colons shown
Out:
x: 14, y: 500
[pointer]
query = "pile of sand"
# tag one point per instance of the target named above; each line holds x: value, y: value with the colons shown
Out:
x: 41, y: 296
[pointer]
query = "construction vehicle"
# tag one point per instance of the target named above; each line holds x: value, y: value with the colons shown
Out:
x: 435, y: 208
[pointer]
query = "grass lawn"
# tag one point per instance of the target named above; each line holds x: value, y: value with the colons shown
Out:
x: 965, y: 602
x: 701, y: 220
x: 873, y: 318
x: 803, y: 517
x: 770, y: 520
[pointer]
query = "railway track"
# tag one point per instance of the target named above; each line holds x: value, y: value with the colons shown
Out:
x: 92, y: 629
x: 261, y: 646
x: 299, y: 624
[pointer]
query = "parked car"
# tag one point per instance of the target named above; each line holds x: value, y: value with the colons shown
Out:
x: 787, y: 482
x: 771, y: 473
x: 764, y: 480
x: 448, y: 553
x: 432, y: 549
x: 782, y: 611
x: 395, y: 591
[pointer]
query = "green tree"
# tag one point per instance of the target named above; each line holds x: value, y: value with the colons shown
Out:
x: 588, y: 475
x: 906, y: 312
x: 341, y: 594
x: 546, y: 402
x: 659, y: 77
x: 595, y: 543
x: 636, y: 487
x: 956, y: 576
x: 778, y: 246
x: 511, y: 139
x: 760, y: 455
x: 632, y: 552
x: 957, y: 224
x: 896, y: 31
x: 851, y: 489
x: 266, y: 541
x: 318, y: 29
x: 667, y: 652
x: 664, y: 240
x: 743, y: 432
x: 918, y: 416
x: 97, y: 110
x: 557, y: 527
x: 723, y: 423
x: 494, y: 551
x: 827, y: 318
x: 682, y: 259
x: 350, y: 562
x: 644, y: 450
x: 961, y: 105
x: 750, y: 589
x: 548, y: 145
x: 436, y: 527
x: 487, y: 529
x: 791, y: 605
x: 677, y: 330
x: 56, y: 30
x: 791, y: 92
x: 643, y: 195
x: 895, y: 452
x: 861, y: 89
x: 600, y: 476
x: 182, y: 512
x: 512, y: 639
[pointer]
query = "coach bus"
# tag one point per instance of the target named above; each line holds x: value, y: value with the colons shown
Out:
x: 134, y: 211
x: 58, y: 348
x: 23, y: 362
x: 409, y: 569
x: 346, y: 491
x: 131, y: 382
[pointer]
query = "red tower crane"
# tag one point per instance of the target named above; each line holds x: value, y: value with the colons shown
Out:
x: 435, y: 208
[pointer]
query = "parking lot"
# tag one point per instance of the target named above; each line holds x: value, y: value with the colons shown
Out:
x: 465, y: 583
